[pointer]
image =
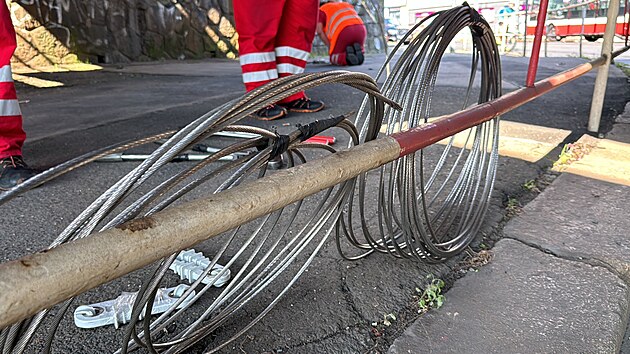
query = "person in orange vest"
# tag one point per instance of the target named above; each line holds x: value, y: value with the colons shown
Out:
x: 13, y: 170
x: 275, y: 40
x: 342, y: 30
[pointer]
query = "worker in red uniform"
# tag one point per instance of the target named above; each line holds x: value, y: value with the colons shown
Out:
x: 275, y: 39
x: 342, y: 30
x: 13, y: 170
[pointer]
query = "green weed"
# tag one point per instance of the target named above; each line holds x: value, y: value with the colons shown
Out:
x: 624, y: 67
x: 531, y: 186
x: 513, y: 206
x: 431, y: 296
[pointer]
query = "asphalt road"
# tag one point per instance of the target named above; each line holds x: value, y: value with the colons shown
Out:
x: 568, y: 47
x: 332, y: 306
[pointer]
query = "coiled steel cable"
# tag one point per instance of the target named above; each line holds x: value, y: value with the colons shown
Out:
x: 429, y: 217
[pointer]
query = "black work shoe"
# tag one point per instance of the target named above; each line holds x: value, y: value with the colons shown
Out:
x: 358, y: 52
x: 271, y: 112
x: 351, y: 56
x: 14, y: 171
x: 303, y: 105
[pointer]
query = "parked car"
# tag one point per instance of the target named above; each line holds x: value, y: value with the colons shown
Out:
x: 395, y: 33
x: 391, y: 31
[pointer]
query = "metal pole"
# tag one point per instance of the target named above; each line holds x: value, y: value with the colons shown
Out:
x: 424, y: 135
x: 525, y: 31
x: 43, y: 279
x: 533, y: 60
x: 626, y: 24
x: 601, y: 81
x: 582, y: 29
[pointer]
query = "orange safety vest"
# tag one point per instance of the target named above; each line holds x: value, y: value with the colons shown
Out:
x: 339, y: 15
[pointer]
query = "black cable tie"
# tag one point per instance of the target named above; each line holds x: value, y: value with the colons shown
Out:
x: 279, y: 144
x: 477, y: 31
x: 476, y: 18
x: 318, y: 126
x: 475, y: 28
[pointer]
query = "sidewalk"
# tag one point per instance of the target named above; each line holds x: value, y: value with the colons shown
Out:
x: 558, y: 281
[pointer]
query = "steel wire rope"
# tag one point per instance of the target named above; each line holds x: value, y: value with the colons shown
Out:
x: 202, y: 334
x: 312, y: 232
x: 235, y: 303
x: 72, y: 164
x: 408, y: 224
x: 464, y: 197
x: 134, y: 208
x: 214, y: 121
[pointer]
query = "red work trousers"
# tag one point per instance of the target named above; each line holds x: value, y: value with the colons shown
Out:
x: 347, y: 37
x: 11, y: 134
x: 274, y: 38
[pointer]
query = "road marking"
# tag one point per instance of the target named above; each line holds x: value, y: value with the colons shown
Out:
x: 602, y: 159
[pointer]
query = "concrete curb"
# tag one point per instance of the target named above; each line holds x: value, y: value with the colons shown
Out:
x: 558, y: 281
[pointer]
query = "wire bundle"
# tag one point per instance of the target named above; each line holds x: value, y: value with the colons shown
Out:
x: 262, y: 255
x: 430, y: 217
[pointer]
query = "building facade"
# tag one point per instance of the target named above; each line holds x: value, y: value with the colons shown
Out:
x: 406, y: 13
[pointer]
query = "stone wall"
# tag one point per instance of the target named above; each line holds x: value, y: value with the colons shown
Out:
x: 122, y: 31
